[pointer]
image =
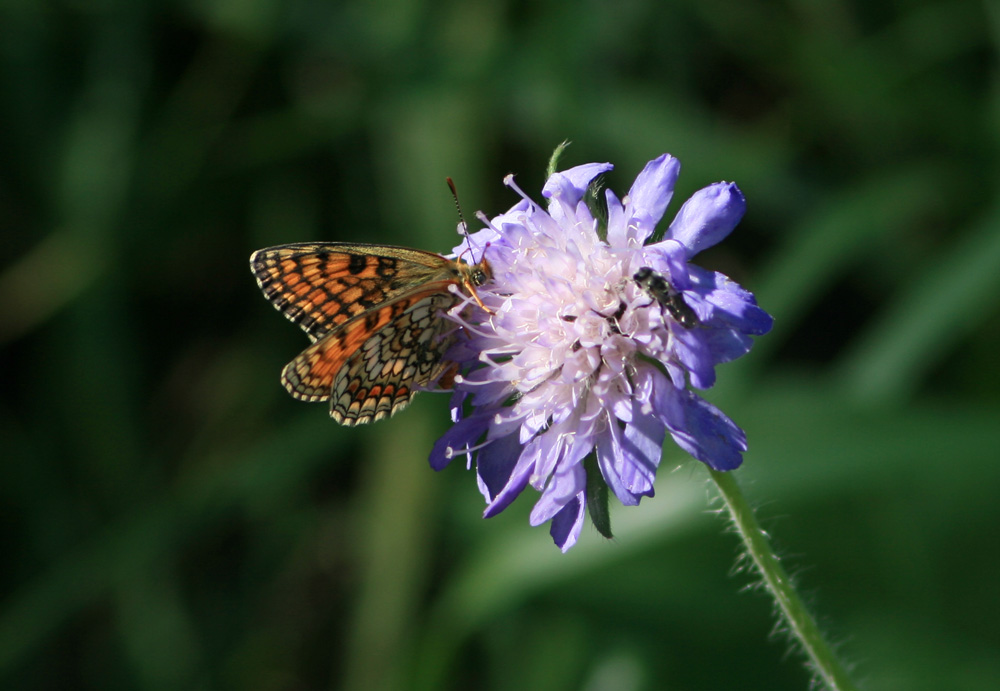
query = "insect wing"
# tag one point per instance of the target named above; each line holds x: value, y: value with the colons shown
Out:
x: 322, y: 286
x: 399, y: 359
x: 372, y: 365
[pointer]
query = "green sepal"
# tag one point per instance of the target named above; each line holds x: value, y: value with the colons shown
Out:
x: 554, y: 159
x: 597, y: 204
x: 598, y: 497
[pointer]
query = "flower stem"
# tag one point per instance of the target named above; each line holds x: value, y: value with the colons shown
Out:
x: 823, y: 662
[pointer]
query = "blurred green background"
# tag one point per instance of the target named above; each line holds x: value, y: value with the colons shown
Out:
x: 172, y: 519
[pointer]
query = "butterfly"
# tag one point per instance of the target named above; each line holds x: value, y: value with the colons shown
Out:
x: 374, y: 315
x: 659, y: 289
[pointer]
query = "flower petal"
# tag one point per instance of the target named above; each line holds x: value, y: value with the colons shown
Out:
x: 692, y: 350
x: 568, y: 523
x: 516, y: 482
x: 567, y: 481
x: 569, y: 186
x: 462, y: 434
x: 610, y: 460
x: 733, y: 304
x: 617, y: 221
x: 701, y: 429
x: 650, y: 194
x: 726, y: 345
x: 495, y: 464
x: 708, y: 217
x: 670, y: 259
x: 642, y: 447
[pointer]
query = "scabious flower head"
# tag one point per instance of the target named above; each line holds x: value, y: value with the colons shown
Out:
x: 578, y: 356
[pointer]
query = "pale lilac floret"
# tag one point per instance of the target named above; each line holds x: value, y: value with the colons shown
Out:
x: 576, y: 357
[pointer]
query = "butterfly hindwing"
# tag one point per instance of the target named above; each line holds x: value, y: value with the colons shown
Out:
x: 399, y: 359
x: 377, y: 359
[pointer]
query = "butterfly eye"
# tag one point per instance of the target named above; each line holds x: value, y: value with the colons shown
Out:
x: 478, y: 277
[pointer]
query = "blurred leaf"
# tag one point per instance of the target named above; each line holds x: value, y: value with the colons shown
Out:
x: 944, y: 305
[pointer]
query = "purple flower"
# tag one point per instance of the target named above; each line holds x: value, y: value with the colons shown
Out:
x: 593, y: 344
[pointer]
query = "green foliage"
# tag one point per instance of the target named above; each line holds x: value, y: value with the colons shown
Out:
x: 172, y: 519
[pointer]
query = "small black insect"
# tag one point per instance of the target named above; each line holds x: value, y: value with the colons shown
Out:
x: 659, y: 289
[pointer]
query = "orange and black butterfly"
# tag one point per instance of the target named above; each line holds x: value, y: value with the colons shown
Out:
x: 374, y: 314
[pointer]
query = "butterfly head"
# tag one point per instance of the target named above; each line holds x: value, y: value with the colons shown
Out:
x: 474, y: 276
x: 479, y: 273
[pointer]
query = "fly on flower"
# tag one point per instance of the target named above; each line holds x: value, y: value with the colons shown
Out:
x: 375, y: 316
x: 571, y: 360
x: 659, y: 288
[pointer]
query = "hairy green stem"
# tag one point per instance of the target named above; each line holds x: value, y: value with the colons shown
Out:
x: 800, y: 622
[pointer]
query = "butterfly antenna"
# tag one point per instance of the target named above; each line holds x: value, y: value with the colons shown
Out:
x: 468, y: 240
x: 461, y: 216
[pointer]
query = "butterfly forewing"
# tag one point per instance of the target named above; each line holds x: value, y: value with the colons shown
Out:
x: 320, y: 286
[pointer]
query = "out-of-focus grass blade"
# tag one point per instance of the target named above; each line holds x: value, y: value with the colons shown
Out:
x: 943, y: 305
x: 31, y: 614
x: 394, y: 539
x: 47, y: 278
x: 157, y: 631
x: 824, y: 244
x: 515, y: 565
x: 86, y: 194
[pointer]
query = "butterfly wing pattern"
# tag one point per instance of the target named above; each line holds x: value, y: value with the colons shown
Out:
x: 373, y: 313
